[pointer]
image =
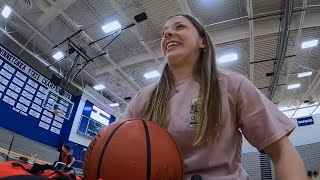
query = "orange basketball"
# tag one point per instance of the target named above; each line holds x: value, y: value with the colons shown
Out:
x: 133, y: 149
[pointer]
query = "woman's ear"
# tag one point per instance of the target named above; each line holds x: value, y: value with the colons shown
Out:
x: 202, y: 43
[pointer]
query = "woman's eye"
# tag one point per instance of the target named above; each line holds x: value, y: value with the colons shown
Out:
x: 180, y: 26
x: 163, y: 32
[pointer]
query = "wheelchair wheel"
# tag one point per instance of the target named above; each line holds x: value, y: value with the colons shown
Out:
x: 65, y: 169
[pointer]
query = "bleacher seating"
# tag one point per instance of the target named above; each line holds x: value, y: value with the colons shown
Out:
x: 22, y: 146
x: 6, y: 137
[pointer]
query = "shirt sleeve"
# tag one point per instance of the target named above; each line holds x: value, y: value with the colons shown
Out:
x: 69, y: 157
x: 130, y: 109
x: 261, y: 122
x: 136, y: 107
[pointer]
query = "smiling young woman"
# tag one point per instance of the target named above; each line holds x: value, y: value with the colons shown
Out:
x: 207, y: 111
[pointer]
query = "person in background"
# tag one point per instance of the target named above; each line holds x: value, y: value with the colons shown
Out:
x: 66, y: 155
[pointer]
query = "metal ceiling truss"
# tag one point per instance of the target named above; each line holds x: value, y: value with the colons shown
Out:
x: 74, y: 69
x: 285, y: 19
x: 304, y: 67
x: 296, y: 46
x: 314, y: 85
x: 54, y: 70
x: 135, y: 31
x: 51, y: 44
x: 251, y: 43
x: 98, y: 48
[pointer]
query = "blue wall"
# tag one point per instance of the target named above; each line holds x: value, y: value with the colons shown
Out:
x: 78, y: 152
x: 27, y: 125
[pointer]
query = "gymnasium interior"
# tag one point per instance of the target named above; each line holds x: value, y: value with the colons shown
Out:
x: 50, y: 46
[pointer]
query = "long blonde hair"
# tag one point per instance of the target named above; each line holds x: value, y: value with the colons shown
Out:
x: 209, y: 116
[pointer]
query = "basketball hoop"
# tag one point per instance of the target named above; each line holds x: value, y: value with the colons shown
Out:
x: 56, y: 111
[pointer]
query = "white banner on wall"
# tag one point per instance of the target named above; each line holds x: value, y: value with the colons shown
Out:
x: 26, y: 91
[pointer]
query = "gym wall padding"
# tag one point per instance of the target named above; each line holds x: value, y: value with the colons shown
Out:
x: 18, y: 118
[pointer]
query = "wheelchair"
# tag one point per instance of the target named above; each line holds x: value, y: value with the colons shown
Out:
x: 63, y: 167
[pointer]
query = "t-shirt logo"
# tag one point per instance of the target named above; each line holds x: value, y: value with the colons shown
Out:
x: 194, y: 110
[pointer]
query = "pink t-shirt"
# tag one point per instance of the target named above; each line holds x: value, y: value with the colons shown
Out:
x: 244, y: 110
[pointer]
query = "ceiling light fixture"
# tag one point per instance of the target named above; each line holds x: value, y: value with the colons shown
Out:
x: 228, y: 58
x: 99, y: 87
x: 114, y: 105
x: 293, y: 86
x: 304, y: 74
x: 58, y: 55
x: 151, y: 74
x: 309, y: 44
x: 6, y: 11
x: 110, y: 27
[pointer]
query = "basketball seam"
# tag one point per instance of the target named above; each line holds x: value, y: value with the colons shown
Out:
x: 105, y: 147
x: 182, y: 162
x: 148, y: 149
x: 92, y: 144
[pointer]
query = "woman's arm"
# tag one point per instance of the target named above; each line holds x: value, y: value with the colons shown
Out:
x: 266, y: 128
x: 72, y: 161
x: 286, y: 160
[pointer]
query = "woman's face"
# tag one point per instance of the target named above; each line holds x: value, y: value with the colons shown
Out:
x: 64, y: 149
x: 180, y: 42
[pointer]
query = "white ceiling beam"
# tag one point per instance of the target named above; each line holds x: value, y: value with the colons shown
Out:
x: 293, y: 108
x: 185, y: 7
x: 263, y: 26
x: 136, y: 58
x: 315, y: 109
x: 50, y: 12
x: 251, y: 39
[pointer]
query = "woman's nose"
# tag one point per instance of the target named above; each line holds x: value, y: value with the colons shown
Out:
x: 168, y: 33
